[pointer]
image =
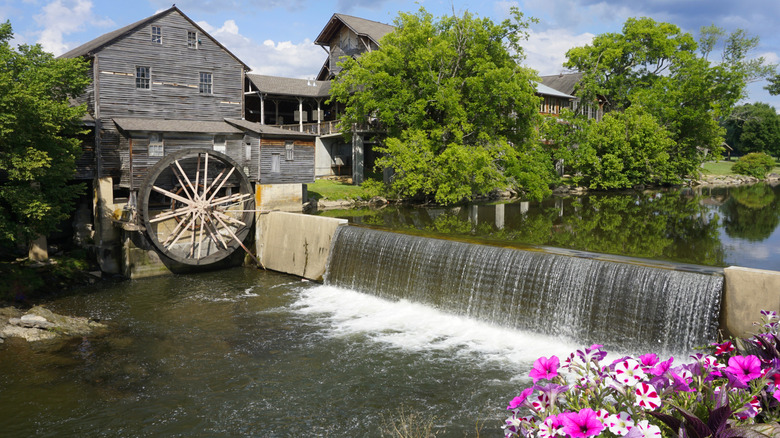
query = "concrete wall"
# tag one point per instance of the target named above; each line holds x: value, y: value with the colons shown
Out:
x: 746, y: 292
x: 295, y: 244
x: 284, y: 197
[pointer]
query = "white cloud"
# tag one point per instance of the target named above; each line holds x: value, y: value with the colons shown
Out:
x: 546, y: 51
x: 281, y: 58
x: 62, y: 17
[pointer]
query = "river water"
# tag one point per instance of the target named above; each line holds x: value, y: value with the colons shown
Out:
x: 244, y: 352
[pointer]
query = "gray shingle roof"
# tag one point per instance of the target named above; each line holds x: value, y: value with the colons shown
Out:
x: 268, y: 130
x: 564, y: 82
x: 108, y: 38
x: 289, y: 86
x: 163, y: 125
x: 362, y: 27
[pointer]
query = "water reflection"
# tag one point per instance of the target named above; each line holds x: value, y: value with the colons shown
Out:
x: 708, y: 226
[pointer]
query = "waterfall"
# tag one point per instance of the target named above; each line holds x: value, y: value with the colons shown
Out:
x: 625, y: 305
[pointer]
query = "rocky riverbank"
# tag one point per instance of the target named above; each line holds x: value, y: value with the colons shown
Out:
x: 40, y: 324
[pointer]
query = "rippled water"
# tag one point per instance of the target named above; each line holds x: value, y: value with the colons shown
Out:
x: 253, y: 353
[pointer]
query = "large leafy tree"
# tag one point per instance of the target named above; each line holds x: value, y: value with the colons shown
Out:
x: 457, y: 107
x: 659, y: 67
x: 38, y: 138
x: 754, y: 127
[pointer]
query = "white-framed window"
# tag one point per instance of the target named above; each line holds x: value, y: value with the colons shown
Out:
x: 143, y: 77
x: 192, y: 39
x: 156, y: 147
x: 289, y: 150
x: 205, y: 84
x: 157, y: 34
x: 276, y: 163
x: 220, y: 144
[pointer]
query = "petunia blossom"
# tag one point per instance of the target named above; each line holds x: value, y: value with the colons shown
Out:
x: 646, y: 396
x: 550, y: 427
x: 545, y: 368
x: 648, y: 360
x: 581, y: 424
x: 647, y: 430
x: 620, y: 423
x: 629, y: 372
x: 520, y: 399
x: 745, y: 368
x: 721, y: 349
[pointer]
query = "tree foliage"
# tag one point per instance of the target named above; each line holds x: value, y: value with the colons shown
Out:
x: 754, y: 127
x: 755, y: 164
x: 623, y: 150
x: 658, y: 66
x: 38, y: 144
x: 457, y: 107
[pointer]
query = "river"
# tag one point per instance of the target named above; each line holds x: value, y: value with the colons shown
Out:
x: 244, y: 352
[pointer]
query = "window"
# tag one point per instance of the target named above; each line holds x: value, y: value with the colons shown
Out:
x: 220, y: 144
x: 289, y: 150
x: 192, y: 39
x: 156, y: 148
x: 205, y: 83
x: 143, y: 77
x: 157, y: 34
x: 276, y: 163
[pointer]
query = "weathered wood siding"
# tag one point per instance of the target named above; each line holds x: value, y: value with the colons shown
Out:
x: 298, y: 170
x: 175, y: 75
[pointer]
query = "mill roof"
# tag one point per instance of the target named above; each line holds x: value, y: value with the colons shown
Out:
x: 563, y: 82
x: 289, y: 86
x: 360, y: 26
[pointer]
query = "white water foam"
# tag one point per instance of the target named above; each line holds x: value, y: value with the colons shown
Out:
x: 410, y: 326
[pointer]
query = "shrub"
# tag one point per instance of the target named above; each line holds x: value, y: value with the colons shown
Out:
x: 756, y: 164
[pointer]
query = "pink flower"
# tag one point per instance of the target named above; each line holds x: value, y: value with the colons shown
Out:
x: 620, y: 424
x: 648, y: 360
x: 647, y: 430
x: 520, y: 399
x: 646, y: 396
x: 723, y: 348
x: 541, y: 403
x: 744, y: 368
x: 662, y: 367
x: 550, y: 427
x: 629, y: 372
x: 776, y: 395
x: 545, y: 368
x: 581, y: 424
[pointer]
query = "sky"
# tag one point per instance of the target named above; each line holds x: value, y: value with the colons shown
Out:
x: 275, y: 37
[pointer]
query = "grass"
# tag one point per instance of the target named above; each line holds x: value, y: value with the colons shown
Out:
x: 723, y: 168
x: 332, y: 189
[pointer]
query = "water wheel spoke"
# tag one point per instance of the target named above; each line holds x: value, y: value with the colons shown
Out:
x: 178, y: 232
x: 215, y: 235
x: 229, y: 218
x: 171, y: 214
x: 208, y: 189
x: 187, y: 180
x: 232, y: 199
x: 232, y: 234
x: 222, y: 183
x: 173, y: 196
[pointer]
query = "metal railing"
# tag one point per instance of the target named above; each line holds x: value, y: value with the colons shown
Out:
x: 322, y: 128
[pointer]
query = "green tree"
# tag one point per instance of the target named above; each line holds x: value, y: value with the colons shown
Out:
x: 755, y: 164
x: 458, y: 108
x: 38, y: 138
x: 657, y: 66
x: 625, y: 149
x: 754, y: 127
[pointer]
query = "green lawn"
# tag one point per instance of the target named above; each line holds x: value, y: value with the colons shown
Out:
x: 329, y: 189
x: 723, y: 168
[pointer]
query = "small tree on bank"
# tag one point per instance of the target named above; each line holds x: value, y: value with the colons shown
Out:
x: 38, y: 138
x: 458, y: 109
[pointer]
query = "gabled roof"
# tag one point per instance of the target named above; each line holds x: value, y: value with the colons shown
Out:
x: 289, y: 86
x: 360, y: 26
x: 564, y: 82
x: 547, y: 91
x: 98, y: 43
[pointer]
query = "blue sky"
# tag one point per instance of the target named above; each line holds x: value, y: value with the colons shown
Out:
x: 275, y: 36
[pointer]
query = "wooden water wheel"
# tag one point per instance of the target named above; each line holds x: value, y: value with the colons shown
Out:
x: 197, y: 206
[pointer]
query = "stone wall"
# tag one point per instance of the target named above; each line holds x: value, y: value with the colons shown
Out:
x: 746, y: 293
